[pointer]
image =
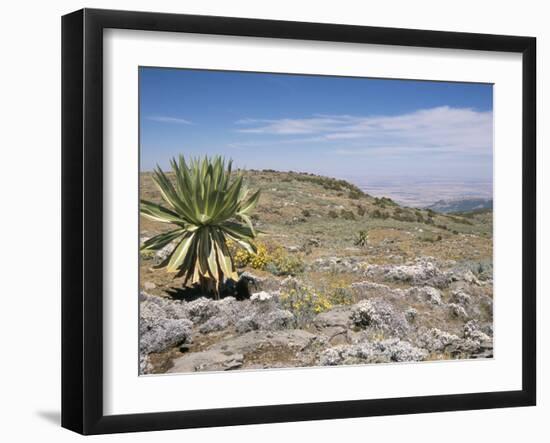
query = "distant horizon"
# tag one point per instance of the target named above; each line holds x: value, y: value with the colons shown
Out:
x: 413, y: 194
x: 359, y: 129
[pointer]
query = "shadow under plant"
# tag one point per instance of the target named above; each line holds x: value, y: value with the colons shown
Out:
x: 336, y: 277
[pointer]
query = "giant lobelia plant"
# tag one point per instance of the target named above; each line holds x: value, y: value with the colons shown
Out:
x: 207, y: 207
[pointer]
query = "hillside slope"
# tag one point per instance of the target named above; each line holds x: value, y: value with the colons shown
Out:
x: 329, y: 255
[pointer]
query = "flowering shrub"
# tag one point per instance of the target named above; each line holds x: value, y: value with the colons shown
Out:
x: 282, y: 263
x: 242, y: 258
x: 339, y: 293
x: 261, y: 258
x: 272, y: 259
x: 304, y: 303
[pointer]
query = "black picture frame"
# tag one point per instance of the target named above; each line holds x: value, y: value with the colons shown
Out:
x: 82, y: 219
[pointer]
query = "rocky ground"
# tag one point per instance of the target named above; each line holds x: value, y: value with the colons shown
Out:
x: 422, y: 310
x: 418, y: 288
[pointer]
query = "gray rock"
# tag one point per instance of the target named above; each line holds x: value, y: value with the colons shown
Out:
x: 261, y: 312
x: 313, y: 242
x: 385, y: 351
x: 457, y: 311
x: 425, y: 293
x: 263, y: 296
x: 163, y: 323
x: 418, y: 273
x: 378, y: 314
x: 145, y: 366
x: 461, y: 297
x: 468, y: 276
x: 487, y: 329
x: 154, y: 306
x: 267, y: 321
x: 472, y: 331
x: 248, y: 342
x: 474, y: 271
x: 336, y: 335
x: 332, y: 356
x: 210, y: 360
x: 159, y: 334
x: 399, y: 351
x: 149, y: 285
x: 163, y: 253
x: 474, y: 345
x: 293, y: 249
x: 411, y: 314
x: 436, y: 340
x: 202, y: 310
x: 215, y: 324
x: 339, y: 316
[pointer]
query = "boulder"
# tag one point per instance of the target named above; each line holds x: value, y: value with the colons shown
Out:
x: 207, y: 311
x: 457, y: 311
x: 210, y: 360
x: 297, y: 339
x: 339, y: 316
x: 336, y: 335
x: 163, y: 323
x: 423, y: 271
x: 268, y: 321
x: 161, y: 333
x: 435, y: 340
x: 149, y: 285
x: 233, y: 352
x: 473, y: 345
x: 473, y: 331
x: 155, y: 306
x: 378, y: 314
x: 261, y: 312
x: 262, y: 296
x: 202, y: 310
x: 461, y: 297
x: 384, y: 351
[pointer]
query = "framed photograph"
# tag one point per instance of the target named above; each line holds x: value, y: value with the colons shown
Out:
x: 268, y: 221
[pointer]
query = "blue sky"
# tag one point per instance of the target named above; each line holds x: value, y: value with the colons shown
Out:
x: 336, y: 126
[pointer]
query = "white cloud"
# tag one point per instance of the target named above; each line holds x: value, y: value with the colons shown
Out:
x: 288, y: 126
x: 436, y: 130
x: 165, y: 119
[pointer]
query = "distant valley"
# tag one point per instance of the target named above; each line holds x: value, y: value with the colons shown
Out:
x: 448, y: 195
x: 461, y: 205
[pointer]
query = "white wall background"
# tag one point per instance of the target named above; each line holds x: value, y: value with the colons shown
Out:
x: 30, y: 218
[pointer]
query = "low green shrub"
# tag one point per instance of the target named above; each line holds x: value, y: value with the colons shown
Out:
x: 361, y: 211
x: 347, y: 215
